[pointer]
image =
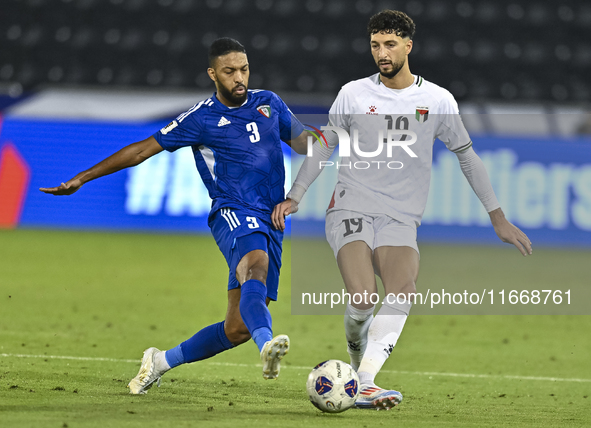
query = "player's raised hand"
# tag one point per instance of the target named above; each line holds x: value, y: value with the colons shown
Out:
x: 66, y: 188
x: 281, y: 211
x: 509, y: 233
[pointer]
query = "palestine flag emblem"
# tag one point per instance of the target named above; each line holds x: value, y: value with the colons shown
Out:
x: 422, y: 114
x: 265, y: 110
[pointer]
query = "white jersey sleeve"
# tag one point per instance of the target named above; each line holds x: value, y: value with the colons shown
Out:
x: 313, y: 165
x: 339, y: 113
x: 452, y: 132
x: 451, y: 129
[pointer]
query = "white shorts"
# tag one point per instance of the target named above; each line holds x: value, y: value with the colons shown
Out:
x: 377, y: 230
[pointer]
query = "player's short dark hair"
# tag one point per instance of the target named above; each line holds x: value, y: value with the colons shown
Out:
x: 391, y: 21
x: 224, y: 46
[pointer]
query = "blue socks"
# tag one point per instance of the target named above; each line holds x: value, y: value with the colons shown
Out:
x: 206, y: 343
x: 212, y: 339
x: 254, y: 311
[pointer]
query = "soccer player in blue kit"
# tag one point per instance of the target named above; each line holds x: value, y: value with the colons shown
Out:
x: 236, y: 140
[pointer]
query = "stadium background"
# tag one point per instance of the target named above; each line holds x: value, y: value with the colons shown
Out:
x: 81, y: 78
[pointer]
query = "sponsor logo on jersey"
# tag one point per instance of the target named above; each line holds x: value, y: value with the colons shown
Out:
x: 372, y: 110
x: 223, y: 121
x: 265, y: 110
x: 169, y: 127
x: 422, y: 114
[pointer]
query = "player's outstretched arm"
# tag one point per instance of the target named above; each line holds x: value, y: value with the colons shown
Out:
x: 509, y: 233
x: 131, y: 155
x: 475, y: 172
x: 309, y: 171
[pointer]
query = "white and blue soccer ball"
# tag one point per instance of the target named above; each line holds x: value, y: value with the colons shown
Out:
x: 333, y: 386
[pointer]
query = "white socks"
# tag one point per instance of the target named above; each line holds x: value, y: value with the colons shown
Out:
x: 161, y: 365
x: 357, y: 322
x: 382, y: 336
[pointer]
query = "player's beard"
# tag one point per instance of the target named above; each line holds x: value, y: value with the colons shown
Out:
x: 231, y: 96
x: 396, y: 67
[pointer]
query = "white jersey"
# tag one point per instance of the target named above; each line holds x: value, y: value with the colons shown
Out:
x: 395, y: 179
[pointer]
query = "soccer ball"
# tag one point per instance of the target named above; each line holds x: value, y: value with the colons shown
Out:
x: 333, y: 386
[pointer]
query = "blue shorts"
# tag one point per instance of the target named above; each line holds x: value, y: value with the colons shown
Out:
x: 240, y: 231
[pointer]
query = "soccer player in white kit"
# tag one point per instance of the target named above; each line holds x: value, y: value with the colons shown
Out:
x: 382, y: 191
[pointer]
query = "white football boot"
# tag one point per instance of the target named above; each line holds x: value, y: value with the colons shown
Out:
x: 272, y: 354
x: 148, y: 373
x: 374, y: 397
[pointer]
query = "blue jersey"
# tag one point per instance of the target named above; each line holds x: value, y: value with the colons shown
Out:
x: 237, y: 150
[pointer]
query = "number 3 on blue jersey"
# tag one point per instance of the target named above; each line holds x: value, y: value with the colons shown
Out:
x: 252, y: 127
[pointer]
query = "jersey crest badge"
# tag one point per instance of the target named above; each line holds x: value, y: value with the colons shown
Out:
x: 265, y: 110
x: 169, y: 127
x: 422, y: 114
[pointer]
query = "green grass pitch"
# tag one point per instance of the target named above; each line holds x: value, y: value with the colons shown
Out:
x: 77, y: 310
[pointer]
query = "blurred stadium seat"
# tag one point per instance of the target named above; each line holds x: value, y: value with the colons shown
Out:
x: 502, y: 50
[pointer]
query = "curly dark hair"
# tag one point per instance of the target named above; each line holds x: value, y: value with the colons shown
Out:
x: 391, y: 21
